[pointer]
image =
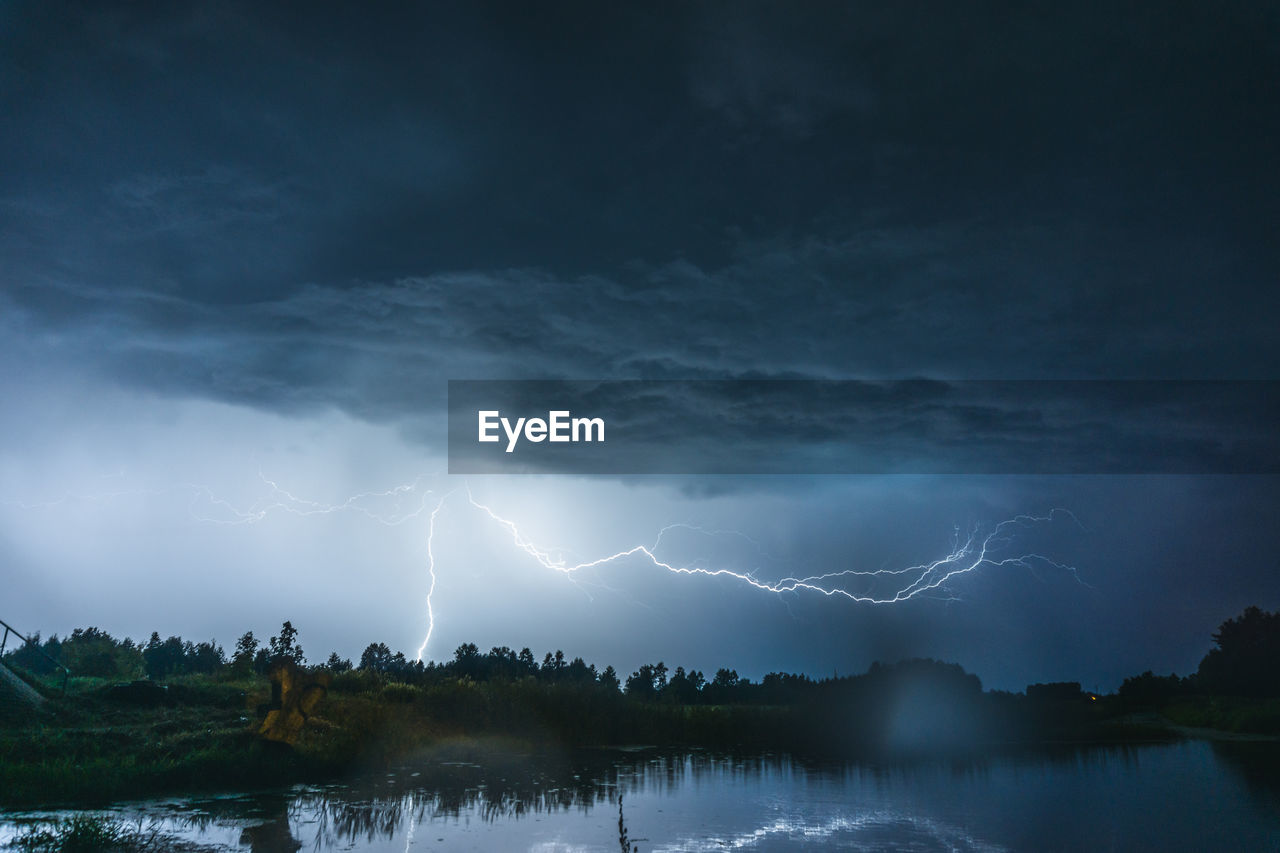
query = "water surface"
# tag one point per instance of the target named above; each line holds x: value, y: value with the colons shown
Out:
x: 1193, y: 795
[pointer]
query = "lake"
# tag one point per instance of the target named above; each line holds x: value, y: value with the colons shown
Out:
x: 1193, y: 795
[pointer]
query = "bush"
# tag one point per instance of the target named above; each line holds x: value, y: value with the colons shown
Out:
x: 401, y: 693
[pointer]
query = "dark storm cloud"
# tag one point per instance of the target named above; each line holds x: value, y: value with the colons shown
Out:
x: 349, y: 207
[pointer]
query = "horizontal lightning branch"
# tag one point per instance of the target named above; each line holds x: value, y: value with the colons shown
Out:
x: 976, y: 549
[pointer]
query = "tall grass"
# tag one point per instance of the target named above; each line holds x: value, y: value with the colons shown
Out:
x: 87, y: 833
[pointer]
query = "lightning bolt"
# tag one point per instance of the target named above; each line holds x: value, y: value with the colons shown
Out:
x: 283, y: 500
x: 970, y: 550
x: 431, y: 572
x: 974, y: 551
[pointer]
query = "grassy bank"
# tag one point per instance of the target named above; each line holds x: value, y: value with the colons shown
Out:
x: 92, y: 744
x: 86, y: 747
x: 1225, y: 714
x: 91, y: 747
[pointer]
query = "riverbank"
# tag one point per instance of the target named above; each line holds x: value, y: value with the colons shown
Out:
x: 97, y: 744
x: 92, y: 747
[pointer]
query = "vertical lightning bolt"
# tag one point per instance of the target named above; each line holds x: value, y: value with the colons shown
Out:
x: 431, y: 572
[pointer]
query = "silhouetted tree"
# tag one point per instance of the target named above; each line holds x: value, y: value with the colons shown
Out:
x: 285, y: 646
x: 28, y: 655
x: 528, y: 665
x: 400, y: 665
x: 1149, y: 689
x: 579, y: 672
x: 647, y: 682
x: 1055, y: 691
x: 337, y: 664
x: 173, y: 656
x: 206, y: 658
x: 468, y: 662
x: 246, y: 649
x: 90, y: 651
x: 779, y: 688
x: 683, y: 688
x: 376, y: 657
x: 553, y: 666
x: 501, y: 662
x: 609, y: 678
x: 163, y: 657
x: 725, y: 678
x: 1245, y: 660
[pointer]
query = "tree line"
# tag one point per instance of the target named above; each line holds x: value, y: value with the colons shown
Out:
x: 1240, y: 663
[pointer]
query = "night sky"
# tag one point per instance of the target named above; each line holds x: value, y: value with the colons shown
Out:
x: 242, y: 247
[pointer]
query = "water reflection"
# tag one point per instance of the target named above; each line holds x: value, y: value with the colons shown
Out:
x: 1193, y: 795
x: 880, y: 830
x: 1255, y: 763
x: 272, y: 833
